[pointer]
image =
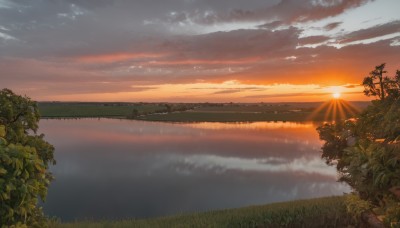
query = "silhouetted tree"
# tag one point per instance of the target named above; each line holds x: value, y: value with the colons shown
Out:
x: 376, y: 84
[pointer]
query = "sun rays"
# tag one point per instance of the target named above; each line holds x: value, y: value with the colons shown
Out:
x: 335, y: 109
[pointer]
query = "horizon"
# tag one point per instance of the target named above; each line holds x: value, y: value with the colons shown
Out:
x: 193, y: 51
x: 228, y: 102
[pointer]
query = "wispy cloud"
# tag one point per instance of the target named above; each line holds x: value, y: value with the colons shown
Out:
x: 5, y: 4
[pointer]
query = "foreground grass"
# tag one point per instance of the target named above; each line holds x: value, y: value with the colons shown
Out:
x: 320, y: 212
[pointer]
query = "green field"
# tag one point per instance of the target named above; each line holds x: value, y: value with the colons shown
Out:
x: 197, y: 116
x: 200, y: 112
x: 80, y: 110
x: 256, y: 112
x: 320, y: 212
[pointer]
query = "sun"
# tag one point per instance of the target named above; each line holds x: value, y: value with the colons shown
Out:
x: 336, y: 95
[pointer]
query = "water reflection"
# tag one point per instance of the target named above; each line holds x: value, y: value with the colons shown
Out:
x: 124, y: 169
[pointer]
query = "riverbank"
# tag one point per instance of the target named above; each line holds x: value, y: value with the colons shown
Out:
x: 319, y: 212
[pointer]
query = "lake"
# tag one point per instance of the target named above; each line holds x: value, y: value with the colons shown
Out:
x: 115, y: 169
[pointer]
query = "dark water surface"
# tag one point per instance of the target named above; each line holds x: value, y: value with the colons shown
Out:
x: 112, y: 169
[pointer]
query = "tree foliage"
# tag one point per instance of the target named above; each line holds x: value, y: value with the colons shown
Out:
x: 24, y: 161
x: 366, y: 149
x: 377, y: 84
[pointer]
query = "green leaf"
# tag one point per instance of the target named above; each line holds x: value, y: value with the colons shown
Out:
x: 3, y: 171
x: 2, y: 131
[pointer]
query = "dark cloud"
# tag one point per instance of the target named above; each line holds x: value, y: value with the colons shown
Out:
x: 332, y: 25
x: 287, y: 11
x: 313, y: 40
x: 224, y: 45
x: 73, y: 28
x: 304, y: 10
x: 271, y: 25
x: 376, y: 31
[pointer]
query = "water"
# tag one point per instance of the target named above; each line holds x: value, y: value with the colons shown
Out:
x: 115, y: 169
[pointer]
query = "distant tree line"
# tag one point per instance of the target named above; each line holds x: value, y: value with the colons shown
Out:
x: 165, y: 108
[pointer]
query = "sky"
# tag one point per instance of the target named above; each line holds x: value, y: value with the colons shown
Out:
x: 195, y: 50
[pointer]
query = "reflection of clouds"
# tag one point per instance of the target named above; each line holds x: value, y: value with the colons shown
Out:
x: 140, y: 169
x: 328, y: 187
x: 303, y: 165
x: 268, y: 139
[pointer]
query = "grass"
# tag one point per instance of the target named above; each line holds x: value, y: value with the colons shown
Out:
x: 201, y: 112
x: 320, y: 212
x: 297, y: 112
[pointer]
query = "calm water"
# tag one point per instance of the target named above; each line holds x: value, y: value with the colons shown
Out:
x: 108, y: 169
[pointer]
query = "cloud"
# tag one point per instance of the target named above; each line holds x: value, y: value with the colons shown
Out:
x: 42, y: 77
x: 223, y: 46
x: 271, y: 25
x: 228, y: 91
x: 108, y: 46
x: 373, y: 32
x: 285, y: 95
x: 262, y: 165
x: 117, y: 57
x: 332, y: 25
x: 351, y: 86
x: 6, y: 37
x: 313, y: 40
x: 286, y: 11
x: 5, y: 4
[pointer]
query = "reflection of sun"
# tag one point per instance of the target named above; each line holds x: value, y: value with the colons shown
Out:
x: 336, y: 95
x: 334, y: 109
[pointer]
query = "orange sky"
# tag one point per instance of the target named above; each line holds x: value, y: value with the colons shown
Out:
x: 201, y: 51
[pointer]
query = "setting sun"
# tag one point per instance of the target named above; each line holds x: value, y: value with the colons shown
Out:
x: 336, y: 95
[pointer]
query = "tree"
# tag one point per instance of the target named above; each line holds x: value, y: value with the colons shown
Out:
x: 376, y: 84
x: 134, y: 114
x: 366, y: 149
x: 168, y: 108
x: 24, y: 162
